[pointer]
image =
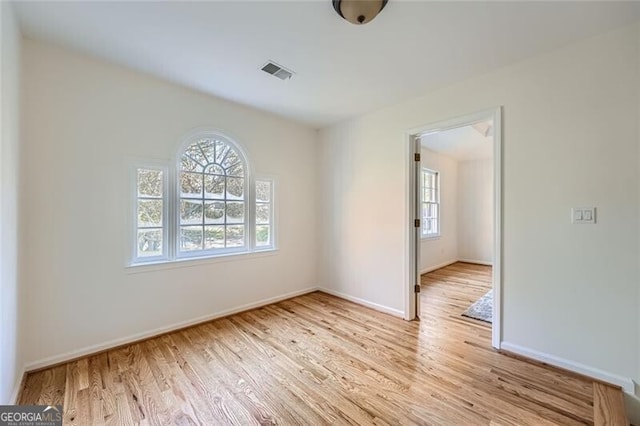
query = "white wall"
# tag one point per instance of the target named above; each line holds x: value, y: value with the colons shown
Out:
x: 10, y: 335
x: 475, y: 211
x: 443, y: 250
x: 83, y: 118
x: 570, y: 139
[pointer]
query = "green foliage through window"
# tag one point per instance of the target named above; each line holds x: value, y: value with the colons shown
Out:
x: 149, y: 212
x: 215, y: 211
x: 212, y: 196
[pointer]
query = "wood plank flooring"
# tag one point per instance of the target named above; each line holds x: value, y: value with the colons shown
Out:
x: 318, y: 359
x: 608, y: 406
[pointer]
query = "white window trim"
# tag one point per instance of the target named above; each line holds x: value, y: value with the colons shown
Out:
x: 133, y: 180
x: 248, y: 199
x: 273, y: 211
x: 437, y: 235
x: 197, y: 261
x: 175, y: 190
x: 171, y: 219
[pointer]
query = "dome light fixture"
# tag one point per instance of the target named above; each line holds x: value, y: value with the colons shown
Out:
x: 359, y: 11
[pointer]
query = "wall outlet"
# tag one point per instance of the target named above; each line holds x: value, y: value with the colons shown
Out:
x: 583, y: 215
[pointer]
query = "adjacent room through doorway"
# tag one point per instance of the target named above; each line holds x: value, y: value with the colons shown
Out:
x: 457, y: 226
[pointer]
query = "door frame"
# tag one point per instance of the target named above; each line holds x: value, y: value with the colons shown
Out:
x: 412, y: 238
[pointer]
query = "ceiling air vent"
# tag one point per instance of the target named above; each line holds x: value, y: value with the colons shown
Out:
x: 277, y: 71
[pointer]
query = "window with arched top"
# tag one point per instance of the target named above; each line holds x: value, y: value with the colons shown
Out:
x: 213, y: 197
x: 210, y: 205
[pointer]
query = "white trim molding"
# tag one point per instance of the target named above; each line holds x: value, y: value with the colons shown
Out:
x: 18, y: 386
x: 476, y: 262
x: 412, y: 248
x: 68, y: 356
x: 381, y: 308
x: 451, y: 262
x: 625, y: 383
x: 436, y: 267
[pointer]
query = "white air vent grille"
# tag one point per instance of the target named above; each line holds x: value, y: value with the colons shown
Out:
x: 277, y: 70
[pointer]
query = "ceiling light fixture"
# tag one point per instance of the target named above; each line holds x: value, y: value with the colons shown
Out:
x: 359, y: 11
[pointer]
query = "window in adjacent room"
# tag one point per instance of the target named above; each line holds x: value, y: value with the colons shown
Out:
x: 430, y: 203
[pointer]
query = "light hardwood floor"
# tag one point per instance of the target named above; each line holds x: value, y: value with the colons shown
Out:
x: 318, y: 359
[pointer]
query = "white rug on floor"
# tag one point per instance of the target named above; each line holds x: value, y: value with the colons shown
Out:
x: 482, y: 309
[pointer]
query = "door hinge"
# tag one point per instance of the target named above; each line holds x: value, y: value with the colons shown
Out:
x: 416, y: 288
x: 416, y: 223
x: 416, y: 156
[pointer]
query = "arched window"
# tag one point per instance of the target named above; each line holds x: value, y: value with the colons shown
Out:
x: 212, y: 185
x: 209, y: 205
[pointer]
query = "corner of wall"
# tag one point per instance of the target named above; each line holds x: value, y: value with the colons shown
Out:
x: 319, y: 191
x: 322, y: 198
x: 11, y: 304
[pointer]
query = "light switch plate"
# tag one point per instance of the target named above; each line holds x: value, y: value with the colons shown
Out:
x: 583, y: 215
x: 577, y: 215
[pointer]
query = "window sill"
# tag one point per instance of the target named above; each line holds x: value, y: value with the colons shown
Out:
x: 160, y: 265
x: 431, y: 237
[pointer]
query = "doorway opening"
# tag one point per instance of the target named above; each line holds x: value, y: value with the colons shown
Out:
x: 455, y: 244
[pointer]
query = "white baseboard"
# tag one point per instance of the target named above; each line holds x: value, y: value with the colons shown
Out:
x: 624, y: 382
x: 57, y: 359
x: 363, y: 302
x: 451, y: 262
x: 442, y: 265
x: 477, y: 262
x: 17, y: 387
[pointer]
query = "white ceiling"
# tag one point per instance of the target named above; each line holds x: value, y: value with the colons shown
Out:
x: 461, y: 143
x: 341, y: 69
